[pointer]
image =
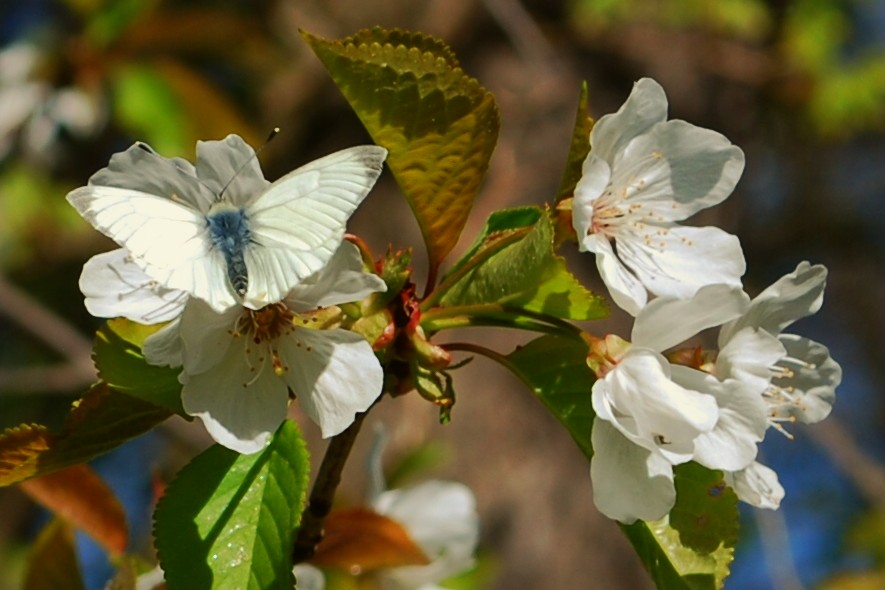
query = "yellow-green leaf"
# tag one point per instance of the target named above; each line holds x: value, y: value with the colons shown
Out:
x: 579, y: 148
x: 439, y: 125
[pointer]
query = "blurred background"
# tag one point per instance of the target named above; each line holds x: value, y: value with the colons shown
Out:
x: 799, y: 85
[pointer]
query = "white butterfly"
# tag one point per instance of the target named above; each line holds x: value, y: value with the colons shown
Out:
x: 219, y: 230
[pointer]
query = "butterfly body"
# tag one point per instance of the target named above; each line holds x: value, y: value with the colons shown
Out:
x: 229, y: 232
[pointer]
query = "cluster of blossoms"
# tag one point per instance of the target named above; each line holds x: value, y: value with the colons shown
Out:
x: 235, y: 265
x: 644, y: 174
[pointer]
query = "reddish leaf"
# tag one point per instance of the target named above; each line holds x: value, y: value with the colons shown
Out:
x: 79, y: 496
x: 102, y: 420
x: 358, y: 539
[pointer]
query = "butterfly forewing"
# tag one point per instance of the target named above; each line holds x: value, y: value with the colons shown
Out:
x: 298, y: 222
x: 167, y: 238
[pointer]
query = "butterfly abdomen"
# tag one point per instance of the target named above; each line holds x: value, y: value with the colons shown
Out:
x: 229, y: 232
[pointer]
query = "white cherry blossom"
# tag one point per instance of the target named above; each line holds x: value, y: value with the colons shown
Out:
x: 652, y: 415
x: 239, y: 366
x: 644, y: 174
x: 795, y: 376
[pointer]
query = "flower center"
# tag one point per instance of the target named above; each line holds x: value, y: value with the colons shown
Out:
x: 608, y: 212
x: 781, y: 396
x: 268, y: 323
x: 262, y: 328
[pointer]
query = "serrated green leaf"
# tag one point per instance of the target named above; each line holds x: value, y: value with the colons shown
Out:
x: 102, y: 420
x: 555, y: 369
x: 439, y: 125
x: 673, y: 566
x: 118, y: 358
x: 499, y: 225
x: 228, y: 520
x: 525, y: 273
x: 706, y: 511
x: 579, y: 148
x: 53, y: 563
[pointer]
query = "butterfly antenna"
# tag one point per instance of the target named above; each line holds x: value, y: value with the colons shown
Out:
x: 273, y: 133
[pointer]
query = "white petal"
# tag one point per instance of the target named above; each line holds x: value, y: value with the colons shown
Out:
x: 207, y: 336
x: 342, y: 280
x: 666, y: 322
x: 115, y: 286
x: 757, y: 485
x: 240, y: 405
x: 814, y: 381
x: 308, y: 577
x: 641, y: 401
x: 646, y: 105
x: 743, y: 420
x: 595, y: 175
x: 629, y: 482
x: 165, y: 347
x: 678, y: 169
x: 793, y: 296
x: 750, y: 356
x: 230, y: 165
x: 441, y: 518
x: 333, y: 373
x: 676, y: 261
x: 623, y: 286
x: 298, y: 222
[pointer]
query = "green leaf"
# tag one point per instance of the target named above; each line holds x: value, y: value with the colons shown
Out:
x: 439, y: 125
x: 673, y: 566
x: 228, y: 520
x: 516, y: 267
x: 500, y: 224
x: 579, y: 148
x: 555, y: 369
x: 118, y: 358
x: 99, y: 422
x: 706, y: 511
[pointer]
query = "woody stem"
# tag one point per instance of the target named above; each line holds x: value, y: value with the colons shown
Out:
x: 310, y: 532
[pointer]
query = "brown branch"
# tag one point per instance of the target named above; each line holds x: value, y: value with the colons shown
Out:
x: 310, y: 532
x: 42, y: 323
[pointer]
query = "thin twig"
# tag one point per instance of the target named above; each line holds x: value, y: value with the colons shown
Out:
x: 310, y: 532
x: 56, y: 333
x: 867, y: 474
x: 523, y: 32
x: 42, y: 323
x: 774, y: 535
x: 56, y: 379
